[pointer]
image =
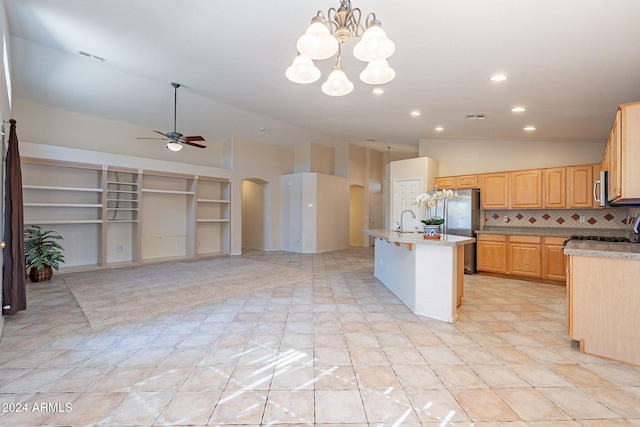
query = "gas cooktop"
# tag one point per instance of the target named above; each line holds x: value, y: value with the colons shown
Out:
x: 610, y: 239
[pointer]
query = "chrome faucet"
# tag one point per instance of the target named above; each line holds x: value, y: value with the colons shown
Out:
x: 402, y: 218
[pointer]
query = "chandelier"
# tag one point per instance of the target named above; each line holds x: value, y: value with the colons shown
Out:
x: 325, y: 37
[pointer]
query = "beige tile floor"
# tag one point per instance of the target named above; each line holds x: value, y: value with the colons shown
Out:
x: 337, y: 350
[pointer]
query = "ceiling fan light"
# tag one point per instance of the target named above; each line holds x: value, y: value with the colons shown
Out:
x: 374, y: 45
x: 174, y: 146
x: 302, y: 70
x: 317, y: 42
x: 337, y: 83
x: 377, y: 72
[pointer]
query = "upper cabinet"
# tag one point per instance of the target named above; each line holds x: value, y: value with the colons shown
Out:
x: 526, y: 189
x: 554, y: 183
x: 623, y: 148
x: 457, y: 182
x: 494, y: 193
x: 580, y: 186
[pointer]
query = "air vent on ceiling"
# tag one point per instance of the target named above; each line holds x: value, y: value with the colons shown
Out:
x: 475, y: 116
x: 91, y: 56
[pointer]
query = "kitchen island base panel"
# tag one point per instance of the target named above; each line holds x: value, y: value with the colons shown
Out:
x: 428, y: 279
x: 603, y: 307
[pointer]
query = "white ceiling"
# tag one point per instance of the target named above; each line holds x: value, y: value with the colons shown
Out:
x: 570, y: 63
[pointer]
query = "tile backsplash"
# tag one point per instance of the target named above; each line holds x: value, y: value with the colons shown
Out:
x: 613, y: 218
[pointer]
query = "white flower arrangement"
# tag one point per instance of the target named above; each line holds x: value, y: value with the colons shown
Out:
x: 430, y: 201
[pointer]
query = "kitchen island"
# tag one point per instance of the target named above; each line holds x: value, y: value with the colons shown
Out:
x: 603, y: 296
x: 426, y: 274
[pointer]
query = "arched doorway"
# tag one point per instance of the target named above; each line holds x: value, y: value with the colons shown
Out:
x: 358, y: 214
x: 256, y: 214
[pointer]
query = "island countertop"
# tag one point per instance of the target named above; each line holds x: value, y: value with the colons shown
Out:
x: 603, y: 249
x: 418, y: 238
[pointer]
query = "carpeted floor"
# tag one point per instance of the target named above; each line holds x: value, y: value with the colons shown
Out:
x: 118, y: 295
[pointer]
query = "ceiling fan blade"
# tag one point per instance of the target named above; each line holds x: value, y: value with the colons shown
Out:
x: 193, y: 144
x: 161, y: 133
x: 193, y: 138
x: 153, y: 138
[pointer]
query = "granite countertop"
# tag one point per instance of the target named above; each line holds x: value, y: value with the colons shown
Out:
x: 603, y: 249
x: 418, y: 238
x: 556, y: 232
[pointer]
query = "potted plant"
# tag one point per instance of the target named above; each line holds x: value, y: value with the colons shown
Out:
x: 430, y: 202
x: 42, y: 252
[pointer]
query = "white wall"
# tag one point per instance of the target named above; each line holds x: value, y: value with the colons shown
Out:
x: 53, y: 126
x: 424, y: 169
x: 265, y: 162
x: 459, y: 157
x: 332, y: 213
x: 315, y: 212
x: 254, y: 214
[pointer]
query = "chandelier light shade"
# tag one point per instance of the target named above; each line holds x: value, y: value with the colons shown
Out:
x: 324, y: 38
x: 374, y: 44
x: 302, y: 70
x: 317, y: 42
x: 377, y: 72
x: 337, y: 84
x: 174, y: 146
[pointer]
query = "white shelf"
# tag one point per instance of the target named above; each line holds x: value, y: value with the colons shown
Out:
x: 123, y: 191
x: 123, y: 209
x: 213, y: 201
x: 213, y: 220
x: 122, y: 220
x: 150, y: 190
x: 62, y: 221
x: 61, y: 188
x: 63, y: 205
x: 134, y: 184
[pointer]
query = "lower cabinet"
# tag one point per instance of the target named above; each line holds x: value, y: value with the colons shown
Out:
x: 491, y: 253
x: 522, y: 256
x: 554, y: 261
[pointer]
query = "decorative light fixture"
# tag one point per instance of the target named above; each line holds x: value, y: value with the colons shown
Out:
x: 174, y: 145
x: 325, y: 38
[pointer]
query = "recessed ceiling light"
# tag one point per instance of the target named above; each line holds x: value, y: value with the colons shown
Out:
x: 530, y: 128
x: 439, y: 128
x: 518, y: 109
x: 415, y: 113
x: 378, y: 91
x: 499, y: 77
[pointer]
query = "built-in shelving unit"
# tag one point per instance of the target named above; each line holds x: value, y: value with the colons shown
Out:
x: 213, y: 206
x: 54, y: 200
x: 111, y: 216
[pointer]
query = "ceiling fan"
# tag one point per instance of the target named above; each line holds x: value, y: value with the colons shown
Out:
x: 176, y: 139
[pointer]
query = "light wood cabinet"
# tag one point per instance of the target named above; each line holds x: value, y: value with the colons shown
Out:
x: 554, y: 261
x: 602, y: 307
x: 466, y: 181
x: 494, y: 192
x: 491, y: 253
x: 524, y: 256
x: 445, y: 182
x: 621, y: 156
x: 580, y: 186
x: 613, y: 153
x: 456, y: 182
x: 526, y: 189
x: 554, y: 188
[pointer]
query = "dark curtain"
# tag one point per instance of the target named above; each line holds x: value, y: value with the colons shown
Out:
x: 14, y: 296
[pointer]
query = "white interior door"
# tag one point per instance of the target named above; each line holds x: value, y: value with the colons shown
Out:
x: 404, y: 193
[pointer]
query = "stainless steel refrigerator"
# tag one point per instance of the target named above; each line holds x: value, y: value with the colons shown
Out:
x: 462, y: 217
